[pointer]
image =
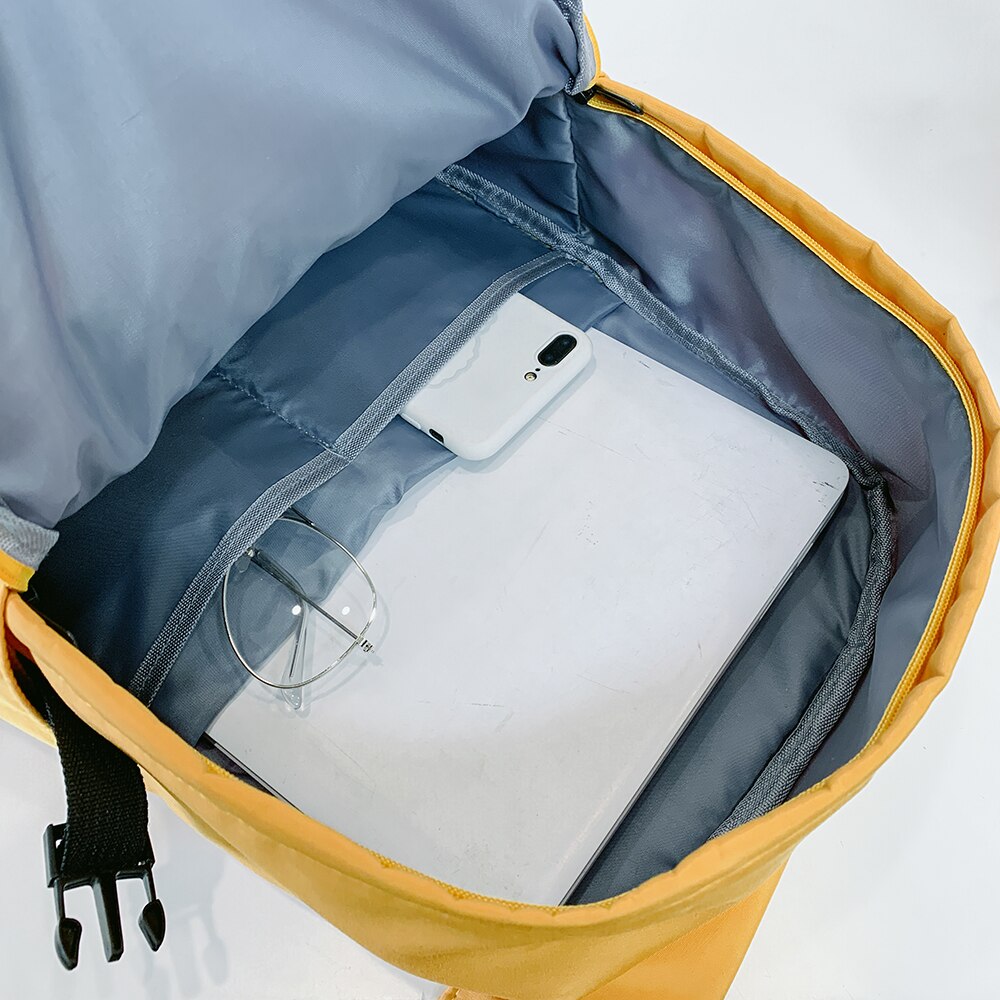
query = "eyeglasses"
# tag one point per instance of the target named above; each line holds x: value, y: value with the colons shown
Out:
x: 296, y: 604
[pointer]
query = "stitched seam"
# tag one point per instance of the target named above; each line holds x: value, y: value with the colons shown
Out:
x: 564, y: 9
x: 572, y: 11
x: 250, y: 394
x: 460, y: 330
x: 774, y: 213
x: 177, y: 629
x: 580, y: 226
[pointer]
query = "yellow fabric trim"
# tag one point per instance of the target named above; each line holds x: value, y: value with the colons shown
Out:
x: 680, y: 971
x: 526, y: 952
x: 14, y: 706
x: 13, y: 573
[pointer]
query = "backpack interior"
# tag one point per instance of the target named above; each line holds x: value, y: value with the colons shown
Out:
x: 608, y: 223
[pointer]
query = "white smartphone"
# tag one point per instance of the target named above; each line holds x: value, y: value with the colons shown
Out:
x: 519, y: 361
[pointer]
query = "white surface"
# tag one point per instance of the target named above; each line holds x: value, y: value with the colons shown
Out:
x: 481, y: 398
x: 549, y: 621
x: 887, y: 111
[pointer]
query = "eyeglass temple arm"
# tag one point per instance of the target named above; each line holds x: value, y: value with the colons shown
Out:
x: 268, y: 565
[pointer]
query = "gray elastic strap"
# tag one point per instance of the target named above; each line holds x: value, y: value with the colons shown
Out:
x: 24, y: 540
x: 587, y: 66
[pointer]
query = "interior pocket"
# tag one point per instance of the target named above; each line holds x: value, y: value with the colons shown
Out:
x: 349, y: 507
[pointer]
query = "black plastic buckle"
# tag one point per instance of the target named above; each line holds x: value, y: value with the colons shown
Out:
x: 152, y: 920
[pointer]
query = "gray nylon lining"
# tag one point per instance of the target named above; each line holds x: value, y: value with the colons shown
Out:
x: 215, y: 157
x: 827, y: 705
x: 275, y: 501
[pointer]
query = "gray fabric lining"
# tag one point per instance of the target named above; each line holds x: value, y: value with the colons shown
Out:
x: 780, y: 312
x: 825, y: 710
x: 283, y: 394
x: 179, y: 626
x: 123, y: 561
x: 631, y: 290
x: 183, y: 619
x: 211, y: 154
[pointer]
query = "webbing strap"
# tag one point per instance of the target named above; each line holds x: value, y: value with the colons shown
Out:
x: 106, y: 807
x: 105, y: 835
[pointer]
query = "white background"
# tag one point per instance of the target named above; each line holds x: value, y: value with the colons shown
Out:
x: 888, y: 111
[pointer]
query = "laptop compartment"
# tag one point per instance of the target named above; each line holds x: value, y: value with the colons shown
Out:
x: 609, y: 209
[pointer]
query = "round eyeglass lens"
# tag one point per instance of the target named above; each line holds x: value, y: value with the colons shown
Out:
x: 296, y: 604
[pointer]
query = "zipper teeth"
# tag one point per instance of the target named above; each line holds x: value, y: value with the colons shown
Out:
x: 960, y: 552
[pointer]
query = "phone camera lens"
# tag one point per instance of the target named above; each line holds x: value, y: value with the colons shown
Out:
x: 553, y: 352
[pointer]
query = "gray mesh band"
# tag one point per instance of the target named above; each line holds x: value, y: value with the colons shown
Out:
x: 23, y: 540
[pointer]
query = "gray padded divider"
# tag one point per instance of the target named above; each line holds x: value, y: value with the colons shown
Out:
x: 772, y: 678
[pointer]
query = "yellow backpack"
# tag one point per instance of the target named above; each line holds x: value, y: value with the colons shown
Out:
x: 181, y: 373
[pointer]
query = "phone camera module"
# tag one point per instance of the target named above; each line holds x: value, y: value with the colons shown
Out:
x: 554, y: 352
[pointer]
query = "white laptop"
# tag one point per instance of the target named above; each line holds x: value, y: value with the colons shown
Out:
x: 549, y: 622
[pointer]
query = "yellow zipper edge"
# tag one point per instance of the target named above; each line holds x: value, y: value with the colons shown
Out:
x: 960, y: 552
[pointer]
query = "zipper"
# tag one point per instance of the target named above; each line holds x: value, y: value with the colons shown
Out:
x: 599, y: 90
x: 604, y: 99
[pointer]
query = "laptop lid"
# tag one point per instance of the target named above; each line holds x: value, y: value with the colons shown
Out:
x: 550, y: 621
